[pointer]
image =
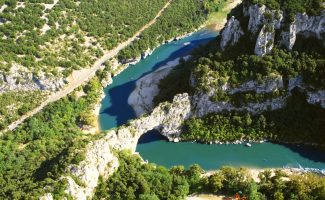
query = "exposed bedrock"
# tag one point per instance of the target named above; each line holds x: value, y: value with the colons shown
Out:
x: 262, y: 24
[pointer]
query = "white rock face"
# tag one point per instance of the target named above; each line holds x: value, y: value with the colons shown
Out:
x: 204, y: 105
x: 269, y: 85
x: 100, y: 160
x: 141, y: 99
x: 304, y: 24
x: 256, y: 17
x: 21, y: 79
x: 316, y: 97
x: 265, y: 42
x: 46, y: 197
x: 98, y: 156
x: 231, y: 33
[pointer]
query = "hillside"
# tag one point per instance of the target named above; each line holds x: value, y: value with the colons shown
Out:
x: 226, y: 92
x: 263, y: 78
x: 37, y: 153
x: 77, y: 44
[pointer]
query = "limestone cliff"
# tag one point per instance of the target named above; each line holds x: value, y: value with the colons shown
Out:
x: 19, y: 78
x: 263, y: 23
x: 100, y: 159
x: 141, y: 99
x: 231, y: 33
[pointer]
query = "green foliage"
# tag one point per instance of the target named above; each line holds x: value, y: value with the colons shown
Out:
x: 179, y: 76
x: 134, y: 180
x: 14, y: 104
x: 297, y: 122
x: 181, y: 17
x: 311, y: 7
x: 78, y: 31
x: 137, y: 180
x: 224, y: 127
x: 250, y: 67
x: 36, y: 153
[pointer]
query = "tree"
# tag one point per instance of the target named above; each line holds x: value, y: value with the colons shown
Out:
x: 216, y: 182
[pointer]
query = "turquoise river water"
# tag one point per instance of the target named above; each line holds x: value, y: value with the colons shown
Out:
x: 116, y: 111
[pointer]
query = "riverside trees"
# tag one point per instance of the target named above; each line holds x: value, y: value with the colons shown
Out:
x: 134, y: 180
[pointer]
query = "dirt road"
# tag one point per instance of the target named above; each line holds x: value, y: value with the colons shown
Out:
x: 85, y: 74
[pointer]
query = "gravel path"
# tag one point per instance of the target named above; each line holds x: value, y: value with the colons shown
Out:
x: 85, y: 74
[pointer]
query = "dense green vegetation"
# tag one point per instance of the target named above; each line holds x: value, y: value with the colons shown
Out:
x: 182, y: 17
x: 211, y: 69
x: 179, y: 76
x: 135, y: 180
x: 251, y: 67
x: 297, y: 122
x: 69, y: 34
x: 11, y: 105
x: 36, y: 153
x: 311, y: 7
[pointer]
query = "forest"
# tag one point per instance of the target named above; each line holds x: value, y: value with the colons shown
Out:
x: 11, y: 106
x: 297, y: 122
x: 135, y: 180
x: 57, y: 38
x: 190, y: 14
x: 311, y: 7
x: 35, y: 154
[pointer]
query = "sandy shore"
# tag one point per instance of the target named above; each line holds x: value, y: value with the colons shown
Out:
x: 141, y: 98
x: 120, y: 67
x: 219, y: 19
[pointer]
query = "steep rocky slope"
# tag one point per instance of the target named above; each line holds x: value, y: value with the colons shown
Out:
x: 100, y: 159
x: 264, y: 23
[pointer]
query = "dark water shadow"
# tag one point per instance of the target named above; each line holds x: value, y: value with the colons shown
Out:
x: 119, y: 95
x: 151, y: 136
x: 307, y: 151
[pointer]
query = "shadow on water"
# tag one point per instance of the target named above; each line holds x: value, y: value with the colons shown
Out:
x: 151, y: 136
x: 310, y: 152
x: 119, y: 95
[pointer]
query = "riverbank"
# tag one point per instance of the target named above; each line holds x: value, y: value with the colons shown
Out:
x: 118, y: 67
x: 141, y: 98
x: 217, y: 20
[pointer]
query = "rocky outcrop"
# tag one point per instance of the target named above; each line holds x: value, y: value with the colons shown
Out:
x: 265, y: 41
x: 307, y: 25
x: 269, y: 85
x: 203, y: 104
x: 22, y: 79
x: 256, y: 17
x: 231, y: 33
x: 100, y: 159
x: 317, y: 97
x: 263, y: 23
x: 141, y: 99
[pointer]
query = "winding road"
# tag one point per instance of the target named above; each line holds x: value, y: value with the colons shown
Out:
x: 86, y: 74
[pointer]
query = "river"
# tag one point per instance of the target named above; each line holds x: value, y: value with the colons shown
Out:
x: 116, y: 111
